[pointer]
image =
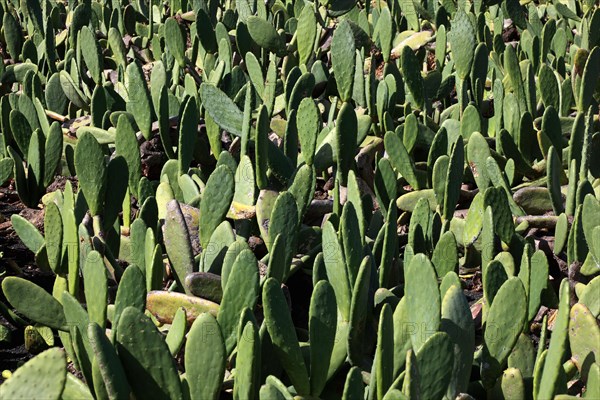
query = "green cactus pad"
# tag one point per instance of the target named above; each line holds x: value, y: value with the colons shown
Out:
x: 91, y: 171
x: 411, y: 384
x: 477, y: 153
x: 28, y: 233
x: 342, y: 59
x: 457, y: 322
x: 504, y: 322
x: 188, y: 128
x: 281, y: 329
x: 115, y: 43
x: 358, y: 312
x: 322, y: 327
x: 411, y: 72
x: 247, y: 377
x: 130, y: 293
x: 554, y: 177
x: 205, y: 285
x: 53, y: 152
x: 453, y: 179
x: 175, y: 41
x: 265, y: 35
x: 445, y: 256
x: 384, y: 353
x: 43, y: 376
x: 523, y: 356
x: 241, y: 291
x: 12, y: 35
x: 385, y: 28
x: 278, y: 259
x: 589, y: 299
x: 216, y: 200
x: 140, y: 101
x: 538, y: 282
x: 345, y: 141
x: 401, y: 160
x: 351, y: 241
x: 303, y: 188
x: 584, y: 336
x: 451, y: 279
x: 434, y: 362
x: 21, y: 130
x: 222, y: 237
x: 34, y: 302
x: 354, y: 387
x: 552, y: 367
x: 549, y: 89
x: 221, y: 109
x: 494, y: 276
x: 127, y: 145
x: 423, y: 299
x: 205, y: 358
x: 308, y: 121
x: 534, y: 200
x: 512, y: 384
x: 307, y: 30
x: 145, y: 357
x: 591, y: 219
x: 504, y: 226
x: 588, y: 80
x: 337, y: 272
x: 462, y: 42
x: 261, y: 148
x: 111, y: 370
x: 177, y: 242
x: 96, y: 287
x: 283, y: 222
x: 6, y: 169
x: 90, y: 50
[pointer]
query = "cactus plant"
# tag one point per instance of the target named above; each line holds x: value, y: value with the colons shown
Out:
x: 151, y: 360
x: 205, y: 339
x: 49, y: 367
x: 311, y: 199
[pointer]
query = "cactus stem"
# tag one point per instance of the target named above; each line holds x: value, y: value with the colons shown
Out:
x: 570, y: 368
x: 97, y: 225
x: 336, y: 197
x: 127, y: 209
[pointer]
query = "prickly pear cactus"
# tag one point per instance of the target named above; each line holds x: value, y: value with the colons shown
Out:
x: 328, y: 199
x: 44, y: 376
